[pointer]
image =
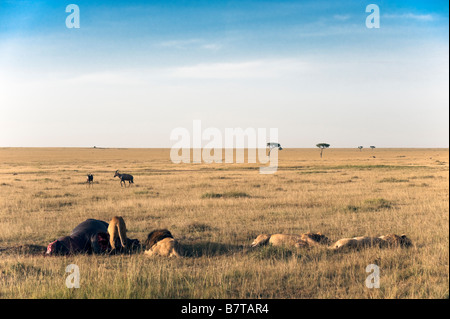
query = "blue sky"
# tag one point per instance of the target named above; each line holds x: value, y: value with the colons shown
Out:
x: 135, y: 70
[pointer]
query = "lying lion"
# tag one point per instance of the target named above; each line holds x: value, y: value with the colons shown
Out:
x: 315, y: 239
x: 161, y: 242
x: 390, y: 240
x: 304, y: 240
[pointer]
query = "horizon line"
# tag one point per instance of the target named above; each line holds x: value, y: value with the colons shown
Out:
x: 234, y: 148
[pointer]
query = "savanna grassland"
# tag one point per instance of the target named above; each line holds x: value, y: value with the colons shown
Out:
x: 215, y: 211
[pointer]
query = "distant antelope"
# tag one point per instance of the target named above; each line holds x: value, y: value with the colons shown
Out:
x: 124, y: 177
x: 272, y: 146
x: 90, y: 179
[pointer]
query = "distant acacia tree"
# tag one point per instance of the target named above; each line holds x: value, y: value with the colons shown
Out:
x: 360, y: 148
x: 322, y: 146
x: 372, y: 147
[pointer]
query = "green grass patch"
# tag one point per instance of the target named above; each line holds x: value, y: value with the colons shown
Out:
x: 199, y: 227
x: 393, y: 180
x: 212, y: 195
x: 142, y: 192
x: 313, y: 172
x: 271, y: 253
x: 370, y: 205
x: 377, y: 204
x: 371, y: 167
x: 233, y: 194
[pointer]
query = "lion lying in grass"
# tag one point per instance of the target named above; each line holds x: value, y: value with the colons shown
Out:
x: 317, y: 239
x: 303, y: 240
x: 390, y: 240
x: 161, y: 242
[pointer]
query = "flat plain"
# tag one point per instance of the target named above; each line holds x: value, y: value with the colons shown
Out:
x: 215, y: 211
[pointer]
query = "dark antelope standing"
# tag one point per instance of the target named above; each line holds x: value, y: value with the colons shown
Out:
x: 124, y: 177
x: 90, y: 179
x: 272, y: 146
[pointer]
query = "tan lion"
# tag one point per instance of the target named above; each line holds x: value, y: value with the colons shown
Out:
x: 364, y: 241
x: 395, y: 240
x: 168, y: 247
x: 304, y: 240
x: 161, y: 242
x: 315, y: 239
x: 117, y: 228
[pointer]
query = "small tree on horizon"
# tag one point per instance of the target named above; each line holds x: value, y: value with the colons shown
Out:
x: 372, y: 147
x: 322, y: 146
x: 360, y: 148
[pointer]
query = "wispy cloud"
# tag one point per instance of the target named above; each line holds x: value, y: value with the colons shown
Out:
x: 189, y: 44
x: 341, y: 17
x: 240, y: 70
x: 418, y: 17
x: 212, y: 46
x: 179, y: 44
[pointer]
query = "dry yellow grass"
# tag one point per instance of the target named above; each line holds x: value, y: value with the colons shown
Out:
x: 347, y: 193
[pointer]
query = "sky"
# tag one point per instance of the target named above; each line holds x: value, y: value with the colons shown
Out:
x: 136, y: 70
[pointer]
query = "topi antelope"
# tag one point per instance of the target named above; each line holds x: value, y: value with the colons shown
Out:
x: 124, y: 177
x: 90, y: 179
x: 272, y: 146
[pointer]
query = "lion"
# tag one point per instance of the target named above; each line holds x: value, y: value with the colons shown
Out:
x: 315, y: 239
x: 364, y: 241
x: 396, y: 241
x: 167, y: 247
x: 276, y: 240
x: 304, y: 240
x: 117, y: 228
x: 155, y: 236
x: 161, y: 242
